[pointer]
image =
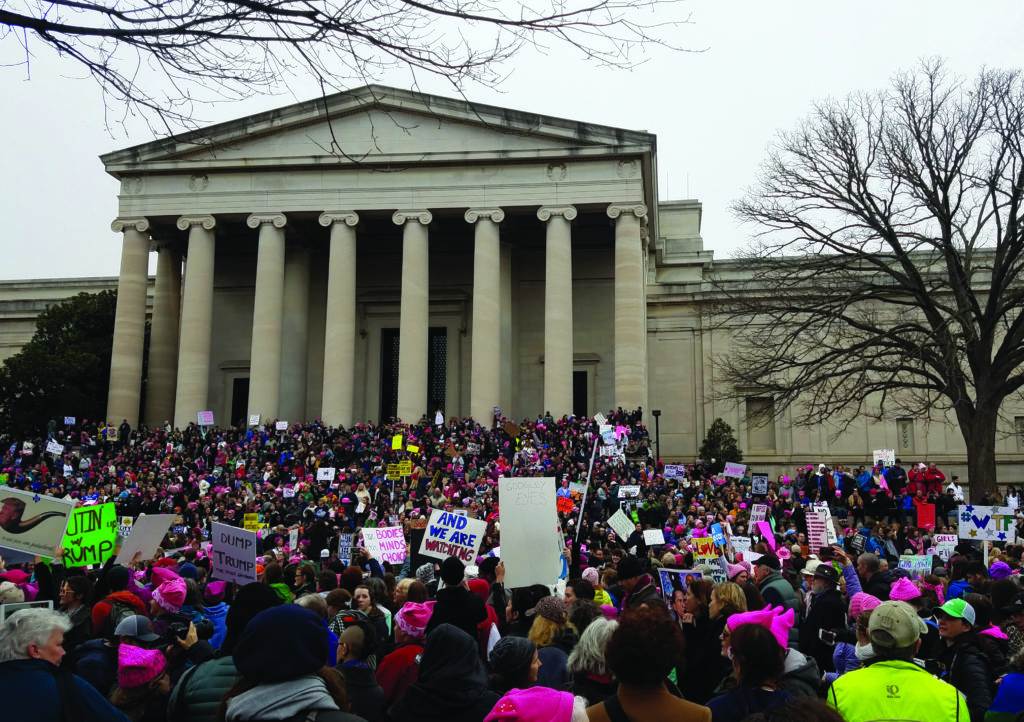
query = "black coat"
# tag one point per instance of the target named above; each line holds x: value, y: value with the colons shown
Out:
x: 460, y: 607
x: 827, y: 612
x: 968, y: 669
x: 878, y: 585
x: 365, y: 696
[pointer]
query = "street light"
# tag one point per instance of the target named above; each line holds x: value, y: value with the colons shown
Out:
x: 657, y: 434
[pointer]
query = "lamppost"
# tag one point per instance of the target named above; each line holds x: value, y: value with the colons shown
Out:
x: 657, y: 434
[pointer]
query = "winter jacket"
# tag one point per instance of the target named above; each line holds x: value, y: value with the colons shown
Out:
x: 294, y: 699
x: 1009, y: 701
x: 95, y: 661
x: 218, y: 614
x: 878, y: 585
x: 777, y: 592
x: 800, y: 676
x: 101, y: 610
x: 743, y: 701
x: 844, y: 659
x: 365, y: 696
x: 895, y: 690
x: 31, y: 693
x: 554, y: 667
x: 198, y: 694
x: 397, y: 671
x: 958, y: 588
x: 705, y: 666
x: 968, y: 669
x: 827, y: 612
x: 593, y: 688
x: 460, y: 607
x: 643, y: 593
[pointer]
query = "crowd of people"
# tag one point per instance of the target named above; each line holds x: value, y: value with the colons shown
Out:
x: 634, y: 628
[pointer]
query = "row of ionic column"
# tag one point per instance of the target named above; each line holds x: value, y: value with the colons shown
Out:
x: 180, y: 341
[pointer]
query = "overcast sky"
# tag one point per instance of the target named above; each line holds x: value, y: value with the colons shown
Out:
x: 714, y: 112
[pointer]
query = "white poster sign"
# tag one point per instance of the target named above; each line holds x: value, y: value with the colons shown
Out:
x: 32, y: 523
x: 986, y: 523
x: 453, y: 535
x: 325, y: 473
x: 884, y: 456
x: 234, y: 554
x: 629, y: 491
x: 759, y: 484
x: 281, y: 426
x: 654, y: 537
x: 528, y: 524
x: 621, y: 524
x: 740, y: 544
x: 385, y: 543
x: 734, y: 470
x: 758, y: 512
x: 675, y: 471
x: 52, y: 447
x: 817, y: 529
x: 147, y: 533
x: 254, y: 419
x: 945, y: 545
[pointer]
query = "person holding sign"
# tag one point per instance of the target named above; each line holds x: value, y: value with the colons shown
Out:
x: 456, y: 605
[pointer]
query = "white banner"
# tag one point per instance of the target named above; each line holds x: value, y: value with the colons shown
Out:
x: 147, y: 533
x: 945, y: 545
x: 621, y: 524
x: 453, y: 535
x: 654, y: 537
x: 986, y: 523
x: 529, y: 523
x: 325, y: 473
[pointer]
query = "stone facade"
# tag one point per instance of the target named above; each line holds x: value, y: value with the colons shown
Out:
x: 524, y: 258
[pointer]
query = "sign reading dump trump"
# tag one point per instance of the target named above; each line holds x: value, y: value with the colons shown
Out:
x: 234, y: 554
x: 452, y: 535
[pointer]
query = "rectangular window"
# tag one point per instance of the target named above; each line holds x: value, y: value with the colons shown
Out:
x: 760, y: 424
x: 905, y: 437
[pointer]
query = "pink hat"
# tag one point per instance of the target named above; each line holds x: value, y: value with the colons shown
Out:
x: 862, y: 602
x: 903, y: 590
x: 590, y: 574
x: 736, y: 569
x: 536, y: 704
x: 137, y: 666
x: 215, y: 592
x: 163, y: 574
x: 170, y: 595
x: 413, y: 618
x: 773, y: 619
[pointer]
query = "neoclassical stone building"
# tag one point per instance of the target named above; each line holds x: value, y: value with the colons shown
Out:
x: 386, y: 252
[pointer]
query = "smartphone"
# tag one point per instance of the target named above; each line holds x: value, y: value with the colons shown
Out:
x: 827, y: 636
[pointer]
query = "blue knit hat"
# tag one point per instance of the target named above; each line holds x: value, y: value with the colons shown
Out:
x: 281, y: 643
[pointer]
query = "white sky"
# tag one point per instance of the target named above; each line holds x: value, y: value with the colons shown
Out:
x: 714, y: 112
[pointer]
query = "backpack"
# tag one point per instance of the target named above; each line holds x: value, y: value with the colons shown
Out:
x: 118, y: 612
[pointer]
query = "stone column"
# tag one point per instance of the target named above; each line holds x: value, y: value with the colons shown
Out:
x: 129, y: 322
x: 295, y: 333
x: 630, y: 306
x: 485, y: 366
x: 197, y: 321
x: 558, y: 359
x: 267, y: 317
x: 414, y: 323
x: 340, y: 335
x: 190, y: 393
x: 162, y: 371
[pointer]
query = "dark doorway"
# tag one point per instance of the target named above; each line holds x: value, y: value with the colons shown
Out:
x: 240, y: 402
x: 437, y: 370
x: 579, y: 394
x: 388, y: 373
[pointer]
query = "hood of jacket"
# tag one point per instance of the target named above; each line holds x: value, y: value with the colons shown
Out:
x: 281, y: 700
x: 800, y: 674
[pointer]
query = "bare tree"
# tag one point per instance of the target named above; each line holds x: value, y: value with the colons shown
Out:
x: 886, y: 272
x: 159, y: 58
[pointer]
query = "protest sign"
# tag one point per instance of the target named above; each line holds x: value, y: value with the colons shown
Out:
x: 385, y: 543
x: 917, y: 564
x: 704, y: 548
x: 69, y: 420
x: 610, y: 450
x: 396, y: 442
x: 817, y: 529
x: 325, y: 473
x: 759, y: 484
x: 675, y: 471
x: 405, y: 468
x: 293, y: 538
x: 886, y: 457
x: 32, y: 523
x: 91, y: 535
x: 758, y: 512
x: 621, y: 524
x: 125, y: 526
x: 607, y: 433
x: 393, y: 471
x: 52, y: 447
x: 945, y: 545
x: 986, y: 523
x: 472, y: 449
x: 629, y: 491
x: 717, y: 534
x: 281, y: 426
x: 345, y: 548
x: 254, y: 419
x: 251, y: 522
x: 734, y: 470
x: 676, y: 580
x: 288, y: 492
x: 858, y: 542
x: 740, y: 544
x: 147, y: 533
x: 600, y: 419
x: 765, y: 530
x: 529, y: 522
x: 578, y: 487
x: 830, y: 526
x: 654, y: 537
x: 926, y: 516
x: 204, y: 418
x: 413, y: 449
x: 453, y: 535
x: 233, y: 554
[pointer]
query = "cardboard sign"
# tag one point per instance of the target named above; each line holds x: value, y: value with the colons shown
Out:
x: 758, y: 512
x: 817, y: 529
x: 254, y: 419
x: 281, y: 426
x: 90, y: 536
x: 985, y: 523
x: 740, y: 544
x: 345, y: 548
x: 886, y: 457
x: 396, y: 442
x: 124, y: 529
x: 32, y: 523
x: 676, y: 580
x: 52, y: 447
x: 233, y: 554
x: 704, y: 548
x: 529, y: 524
x: 621, y: 524
x: 675, y: 471
x: 734, y: 470
x: 204, y: 418
x: 147, y: 533
x: 385, y: 543
x: 629, y: 491
x: 759, y: 484
x: 453, y: 535
x: 654, y: 537
x: 917, y: 564
x: 69, y: 420
x: 325, y: 473
x: 945, y: 545
x: 251, y: 522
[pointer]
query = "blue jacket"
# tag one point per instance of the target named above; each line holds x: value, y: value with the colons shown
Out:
x: 28, y: 688
x: 218, y: 614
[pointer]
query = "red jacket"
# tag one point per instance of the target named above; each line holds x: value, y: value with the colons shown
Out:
x: 101, y: 610
x: 398, y: 671
x: 930, y: 481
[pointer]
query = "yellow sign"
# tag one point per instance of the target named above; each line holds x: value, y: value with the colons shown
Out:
x: 393, y: 471
x: 251, y: 522
x: 412, y: 449
x: 405, y: 468
x: 396, y: 442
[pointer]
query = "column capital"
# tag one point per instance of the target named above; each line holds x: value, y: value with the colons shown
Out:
x: 497, y: 215
x: 567, y: 212
x: 617, y: 209
x: 186, y: 222
x: 423, y: 216
x: 140, y: 223
x: 329, y: 218
x: 258, y: 219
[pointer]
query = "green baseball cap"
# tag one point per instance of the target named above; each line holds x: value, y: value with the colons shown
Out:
x: 957, y: 609
x: 895, y: 625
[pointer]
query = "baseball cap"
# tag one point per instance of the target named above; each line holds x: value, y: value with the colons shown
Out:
x: 895, y: 625
x: 136, y: 627
x: 957, y: 609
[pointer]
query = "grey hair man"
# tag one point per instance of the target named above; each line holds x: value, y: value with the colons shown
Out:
x: 32, y: 685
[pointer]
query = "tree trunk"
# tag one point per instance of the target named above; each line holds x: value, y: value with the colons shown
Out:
x: 979, y: 432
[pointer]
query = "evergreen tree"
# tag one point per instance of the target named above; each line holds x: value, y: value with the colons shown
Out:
x: 720, y: 445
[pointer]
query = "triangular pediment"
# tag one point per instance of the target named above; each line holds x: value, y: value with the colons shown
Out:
x: 375, y: 124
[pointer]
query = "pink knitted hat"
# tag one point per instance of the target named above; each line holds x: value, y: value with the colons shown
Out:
x: 137, y: 666
x: 903, y: 590
x: 413, y: 618
x: 862, y: 602
x: 160, y: 575
x: 772, y: 619
x: 536, y: 704
x: 735, y: 569
x: 590, y: 574
x: 170, y: 595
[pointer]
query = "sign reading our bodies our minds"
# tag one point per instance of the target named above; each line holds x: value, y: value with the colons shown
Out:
x: 452, y: 535
x: 91, y: 535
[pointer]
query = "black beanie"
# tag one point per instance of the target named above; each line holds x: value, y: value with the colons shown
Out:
x: 629, y: 567
x: 118, y: 577
x: 282, y: 643
x: 452, y: 571
x: 249, y: 601
x: 511, y: 656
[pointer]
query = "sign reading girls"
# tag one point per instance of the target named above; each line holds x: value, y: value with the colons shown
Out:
x: 452, y: 535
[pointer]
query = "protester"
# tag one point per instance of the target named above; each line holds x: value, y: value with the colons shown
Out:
x: 537, y: 704
x: 399, y: 669
x: 588, y: 662
x: 967, y: 667
x: 758, y: 663
x: 514, y: 664
x: 554, y: 638
x: 143, y: 684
